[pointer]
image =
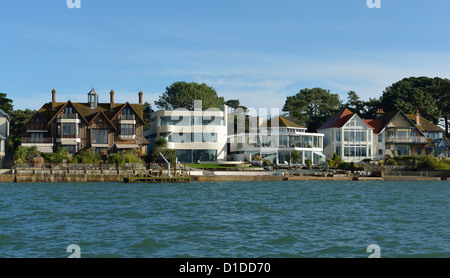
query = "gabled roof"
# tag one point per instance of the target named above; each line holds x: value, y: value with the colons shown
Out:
x: 390, y: 116
x: 86, y: 113
x: 425, y: 124
x: 376, y: 124
x: 100, y: 113
x: 339, y: 119
x: 282, y: 122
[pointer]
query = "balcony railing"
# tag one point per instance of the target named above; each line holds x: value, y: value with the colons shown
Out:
x: 406, y: 139
x: 68, y: 116
x: 69, y: 136
x: 127, y: 117
x: 37, y: 140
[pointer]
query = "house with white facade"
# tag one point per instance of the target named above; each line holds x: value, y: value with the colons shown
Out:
x: 4, y: 134
x: 275, y: 140
x: 349, y: 136
x: 197, y: 136
x: 389, y: 134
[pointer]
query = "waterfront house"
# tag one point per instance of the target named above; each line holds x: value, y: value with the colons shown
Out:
x: 275, y: 140
x: 392, y: 133
x: 349, y: 136
x: 197, y: 136
x: 104, y: 127
x: 4, y: 134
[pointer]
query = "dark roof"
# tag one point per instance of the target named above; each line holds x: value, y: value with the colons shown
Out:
x: 87, y: 113
x: 376, y: 124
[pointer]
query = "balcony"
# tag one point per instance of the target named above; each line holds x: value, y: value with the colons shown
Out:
x: 37, y: 140
x: 43, y: 144
x: 127, y: 119
x: 68, y: 118
x: 68, y: 139
x: 406, y: 139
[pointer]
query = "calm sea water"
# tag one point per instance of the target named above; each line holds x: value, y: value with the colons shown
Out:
x: 225, y: 219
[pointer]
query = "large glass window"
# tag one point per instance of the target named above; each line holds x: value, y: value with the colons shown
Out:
x: 100, y: 136
x: 193, y: 137
x: 127, y: 129
x: 356, y: 151
x: 204, y: 155
x: 184, y: 156
x: 355, y: 136
x: 69, y: 129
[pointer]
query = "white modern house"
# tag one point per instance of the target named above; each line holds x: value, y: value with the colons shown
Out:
x: 4, y: 134
x: 197, y: 136
x: 349, y: 136
x: 275, y: 140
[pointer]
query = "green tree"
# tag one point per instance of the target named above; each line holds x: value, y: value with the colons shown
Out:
x: 6, y: 103
x: 182, y: 95
x: 18, y: 120
x: 235, y: 104
x: 411, y: 94
x: 312, y: 107
x: 355, y: 104
x: 147, y: 115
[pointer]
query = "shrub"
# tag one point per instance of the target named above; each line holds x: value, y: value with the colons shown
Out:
x: 115, y: 158
x: 308, y: 162
x: 344, y: 166
x: 266, y: 162
x: 27, y: 154
x: 88, y: 157
x: 432, y: 163
x: 132, y: 157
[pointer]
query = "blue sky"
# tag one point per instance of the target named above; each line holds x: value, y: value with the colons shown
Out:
x: 257, y: 51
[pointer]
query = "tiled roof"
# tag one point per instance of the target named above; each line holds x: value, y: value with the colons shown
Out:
x: 338, y: 120
x: 425, y: 124
x: 376, y: 124
x: 86, y: 112
x: 282, y: 122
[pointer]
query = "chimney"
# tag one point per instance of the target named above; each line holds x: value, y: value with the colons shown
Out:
x: 380, y: 113
x: 111, y: 99
x: 417, y: 117
x: 140, y: 97
x: 53, y: 99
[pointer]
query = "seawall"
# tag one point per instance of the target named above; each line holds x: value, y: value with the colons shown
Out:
x: 46, y: 178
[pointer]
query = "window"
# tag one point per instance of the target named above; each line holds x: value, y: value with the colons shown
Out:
x: 127, y: 111
x: 68, y: 110
x: 127, y: 129
x: 70, y: 149
x: 380, y: 138
x: 338, y: 151
x: 356, y: 151
x: 338, y: 135
x: 403, y: 150
x: 204, y: 155
x: 69, y: 129
x: 37, y: 120
x: 402, y: 134
x: 99, y: 136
